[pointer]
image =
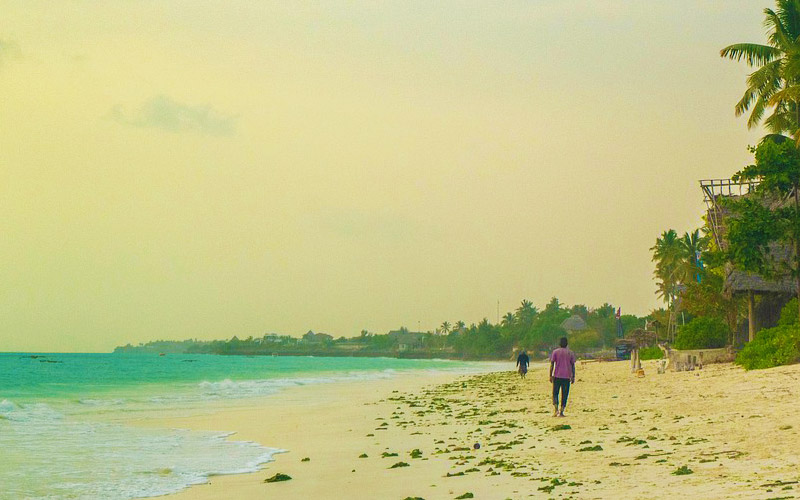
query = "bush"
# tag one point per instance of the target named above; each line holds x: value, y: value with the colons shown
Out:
x: 702, y: 333
x: 585, y: 341
x: 650, y: 353
x: 789, y: 313
x: 771, y: 347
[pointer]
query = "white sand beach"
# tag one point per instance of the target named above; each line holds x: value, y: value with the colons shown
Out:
x: 735, y: 431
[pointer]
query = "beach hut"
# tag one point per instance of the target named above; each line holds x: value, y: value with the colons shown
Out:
x: 574, y: 324
x: 772, y: 294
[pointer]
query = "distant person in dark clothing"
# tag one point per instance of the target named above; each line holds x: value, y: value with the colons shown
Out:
x: 522, y: 363
x: 562, y: 373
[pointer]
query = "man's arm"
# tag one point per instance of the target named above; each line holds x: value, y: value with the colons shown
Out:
x: 573, y: 368
x: 552, y: 365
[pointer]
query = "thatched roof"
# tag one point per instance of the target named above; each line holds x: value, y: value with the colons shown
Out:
x: 742, y: 281
x: 574, y: 324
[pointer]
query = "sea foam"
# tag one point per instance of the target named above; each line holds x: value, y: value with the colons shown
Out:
x: 48, y: 454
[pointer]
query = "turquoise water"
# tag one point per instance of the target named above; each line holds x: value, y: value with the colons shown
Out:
x: 65, y: 419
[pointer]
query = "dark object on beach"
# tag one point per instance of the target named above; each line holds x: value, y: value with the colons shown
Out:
x: 465, y: 495
x: 413, y: 498
x: 682, y: 471
x: 561, y: 427
x: 386, y: 454
x: 415, y: 453
x: 477, y: 446
x: 363, y: 455
x: 277, y: 478
x: 399, y: 464
x: 592, y: 448
x: 306, y: 460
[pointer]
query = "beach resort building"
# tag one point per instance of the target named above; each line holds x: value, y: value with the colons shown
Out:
x: 765, y: 297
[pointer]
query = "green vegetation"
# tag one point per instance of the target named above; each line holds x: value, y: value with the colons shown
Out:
x: 771, y: 347
x: 763, y: 227
x: 789, y: 314
x: 758, y: 226
x: 650, y: 353
x: 702, y: 333
x: 528, y: 328
x: 676, y: 262
x: 774, y: 346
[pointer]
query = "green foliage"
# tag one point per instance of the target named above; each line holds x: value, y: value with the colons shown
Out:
x: 757, y: 224
x: 789, y: 313
x: 676, y: 261
x: 585, y: 341
x: 771, y: 347
x: 526, y: 328
x: 702, y: 333
x: 650, y: 353
x: 773, y: 85
x: 706, y: 298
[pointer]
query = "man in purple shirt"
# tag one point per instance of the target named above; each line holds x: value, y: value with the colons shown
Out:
x: 562, y: 372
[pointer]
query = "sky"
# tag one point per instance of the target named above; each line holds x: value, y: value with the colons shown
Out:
x: 204, y: 169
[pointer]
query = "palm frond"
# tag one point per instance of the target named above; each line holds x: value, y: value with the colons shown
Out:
x: 759, y: 106
x: 753, y: 53
x: 778, y: 35
x: 786, y: 95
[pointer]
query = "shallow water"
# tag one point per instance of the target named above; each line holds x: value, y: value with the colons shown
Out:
x: 64, y: 418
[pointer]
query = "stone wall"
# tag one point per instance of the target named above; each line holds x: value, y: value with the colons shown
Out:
x: 679, y: 361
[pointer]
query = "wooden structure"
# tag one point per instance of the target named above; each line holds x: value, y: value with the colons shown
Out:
x: 773, y: 293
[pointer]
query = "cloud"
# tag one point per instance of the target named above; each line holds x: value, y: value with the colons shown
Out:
x: 167, y: 114
x: 9, y: 49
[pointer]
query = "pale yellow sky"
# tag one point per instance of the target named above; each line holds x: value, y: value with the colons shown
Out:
x: 207, y: 169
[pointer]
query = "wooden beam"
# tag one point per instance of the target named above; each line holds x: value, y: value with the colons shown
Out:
x: 751, y: 315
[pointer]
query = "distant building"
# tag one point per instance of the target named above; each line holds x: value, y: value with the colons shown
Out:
x: 574, y: 324
x: 317, y: 338
x: 408, y: 340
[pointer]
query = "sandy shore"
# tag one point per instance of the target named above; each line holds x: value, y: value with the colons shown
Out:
x: 735, y: 431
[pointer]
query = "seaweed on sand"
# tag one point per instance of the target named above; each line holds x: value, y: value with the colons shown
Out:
x: 278, y: 478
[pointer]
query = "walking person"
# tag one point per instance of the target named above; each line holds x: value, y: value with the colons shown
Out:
x: 522, y: 363
x: 562, y: 373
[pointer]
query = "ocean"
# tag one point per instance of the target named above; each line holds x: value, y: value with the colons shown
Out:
x: 67, y: 421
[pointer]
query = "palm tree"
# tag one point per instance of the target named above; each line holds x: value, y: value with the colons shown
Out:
x: 776, y: 82
x: 445, y: 328
x: 525, y: 312
x: 508, y: 319
x: 691, y: 246
x: 667, y: 256
x: 460, y: 326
